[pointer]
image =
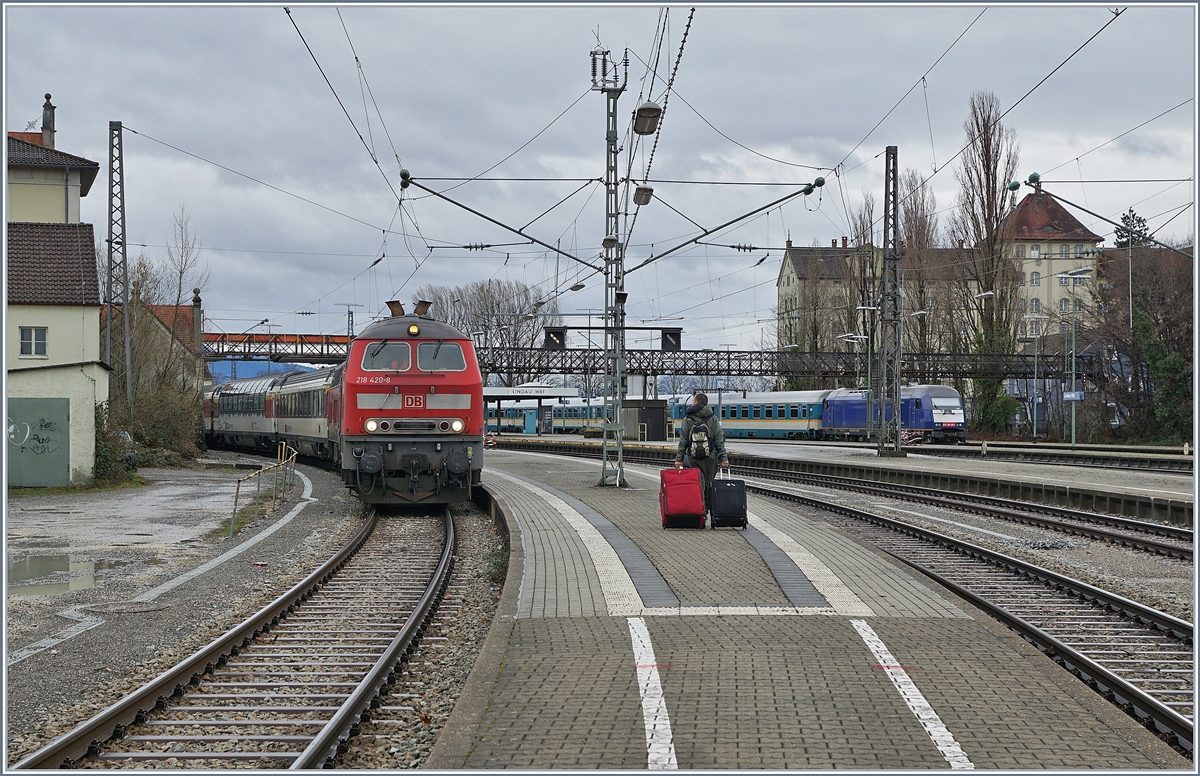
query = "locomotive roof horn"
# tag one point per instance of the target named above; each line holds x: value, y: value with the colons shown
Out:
x: 422, y: 306
x: 396, y: 307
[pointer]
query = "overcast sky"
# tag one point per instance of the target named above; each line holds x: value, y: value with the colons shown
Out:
x: 463, y: 91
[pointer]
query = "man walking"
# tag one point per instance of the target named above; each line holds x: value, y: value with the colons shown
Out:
x: 702, y: 440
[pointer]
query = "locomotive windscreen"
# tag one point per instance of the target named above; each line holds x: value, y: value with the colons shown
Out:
x: 440, y: 357
x: 386, y: 357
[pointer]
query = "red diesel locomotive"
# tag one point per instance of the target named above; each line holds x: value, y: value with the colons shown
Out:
x: 402, y: 417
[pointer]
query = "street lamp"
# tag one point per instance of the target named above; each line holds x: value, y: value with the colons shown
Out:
x: 1037, y: 341
x: 856, y: 338
x: 1072, y: 274
x: 645, y: 118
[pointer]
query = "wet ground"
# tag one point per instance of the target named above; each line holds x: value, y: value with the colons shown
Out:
x: 65, y: 542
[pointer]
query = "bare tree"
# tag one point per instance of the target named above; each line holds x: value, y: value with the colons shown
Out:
x: 988, y: 281
x: 497, y: 313
x: 921, y: 267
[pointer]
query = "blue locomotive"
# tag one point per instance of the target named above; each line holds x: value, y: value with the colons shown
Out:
x: 928, y: 413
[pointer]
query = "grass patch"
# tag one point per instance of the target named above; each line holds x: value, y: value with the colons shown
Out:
x: 132, y: 481
x: 497, y: 560
x: 245, y: 514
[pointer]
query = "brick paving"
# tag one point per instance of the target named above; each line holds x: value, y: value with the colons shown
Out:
x: 797, y: 690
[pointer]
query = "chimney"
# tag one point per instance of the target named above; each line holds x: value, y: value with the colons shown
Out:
x: 845, y: 241
x: 789, y: 242
x: 48, y: 123
x: 834, y: 243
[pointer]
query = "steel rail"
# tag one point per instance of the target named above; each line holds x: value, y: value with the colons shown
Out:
x: 81, y: 739
x: 1143, y: 706
x: 327, y: 742
x: 1165, y: 719
x: 1181, y: 629
x: 1024, y: 512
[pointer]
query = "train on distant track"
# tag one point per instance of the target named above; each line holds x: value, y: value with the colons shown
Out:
x: 928, y: 413
x: 401, y: 418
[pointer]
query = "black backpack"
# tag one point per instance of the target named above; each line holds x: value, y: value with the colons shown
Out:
x: 700, y: 443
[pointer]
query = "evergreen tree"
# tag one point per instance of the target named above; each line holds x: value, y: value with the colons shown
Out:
x: 1135, y: 226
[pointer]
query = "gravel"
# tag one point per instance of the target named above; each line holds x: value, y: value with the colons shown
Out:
x: 51, y: 692
x: 402, y: 732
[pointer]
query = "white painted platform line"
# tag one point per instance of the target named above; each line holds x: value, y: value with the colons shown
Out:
x: 660, y: 748
x: 941, y: 737
x: 620, y: 594
x: 828, y: 584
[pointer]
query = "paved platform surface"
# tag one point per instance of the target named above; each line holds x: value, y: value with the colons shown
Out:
x: 620, y: 645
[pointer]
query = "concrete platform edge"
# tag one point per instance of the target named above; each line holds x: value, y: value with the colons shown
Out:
x: 453, y: 744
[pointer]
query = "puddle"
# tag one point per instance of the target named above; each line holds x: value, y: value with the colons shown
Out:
x: 83, y: 574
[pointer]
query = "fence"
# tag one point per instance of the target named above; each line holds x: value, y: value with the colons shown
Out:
x: 283, y: 471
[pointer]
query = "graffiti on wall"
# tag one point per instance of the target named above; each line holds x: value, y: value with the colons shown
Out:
x: 39, y: 438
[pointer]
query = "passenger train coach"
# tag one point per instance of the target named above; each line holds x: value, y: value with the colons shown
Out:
x: 402, y: 418
x: 928, y: 413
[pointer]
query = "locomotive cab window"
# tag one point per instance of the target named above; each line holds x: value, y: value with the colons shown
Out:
x: 946, y: 405
x: 440, y: 356
x: 390, y: 357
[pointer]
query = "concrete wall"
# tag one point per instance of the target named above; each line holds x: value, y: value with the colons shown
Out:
x: 72, y: 334
x: 44, y: 195
x: 83, y: 386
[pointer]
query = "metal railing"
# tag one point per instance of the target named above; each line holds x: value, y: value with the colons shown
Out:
x: 283, y: 471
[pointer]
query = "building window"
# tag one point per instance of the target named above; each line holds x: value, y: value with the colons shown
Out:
x: 1064, y: 251
x: 1063, y: 280
x: 1022, y: 279
x: 1035, y: 306
x: 1020, y: 251
x: 1022, y: 328
x: 33, y: 341
x: 1063, y: 305
x: 1062, y: 328
x: 1034, y: 328
x: 1078, y: 305
x: 1079, y: 251
x: 1035, y: 278
x: 1079, y: 281
x: 1034, y: 252
x: 1022, y: 306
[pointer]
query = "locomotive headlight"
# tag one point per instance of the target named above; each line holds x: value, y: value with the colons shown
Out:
x: 372, y: 426
x: 457, y: 426
x: 413, y: 330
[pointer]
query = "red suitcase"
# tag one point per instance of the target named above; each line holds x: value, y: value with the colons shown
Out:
x: 681, y: 498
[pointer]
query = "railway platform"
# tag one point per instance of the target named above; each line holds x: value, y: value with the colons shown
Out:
x: 1147, y: 495
x: 619, y: 645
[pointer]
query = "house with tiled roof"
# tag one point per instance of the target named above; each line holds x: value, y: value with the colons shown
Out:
x: 817, y: 291
x: 45, y: 184
x: 167, y: 341
x: 1049, y: 242
x: 55, y: 377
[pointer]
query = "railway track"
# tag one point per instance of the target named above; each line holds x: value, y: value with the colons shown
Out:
x: 1137, y: 657
x: 1063, y: 455
x: 286, y: 687
x: 1168, y: 540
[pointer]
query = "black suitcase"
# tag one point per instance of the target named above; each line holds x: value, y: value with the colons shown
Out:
x: 727, y: 502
